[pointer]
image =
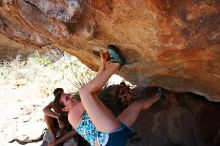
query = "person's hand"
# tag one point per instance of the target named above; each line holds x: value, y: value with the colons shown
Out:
x: 53, y: 138
x: 51, y: 144
x: 60, y: 122
x: 104, y: 56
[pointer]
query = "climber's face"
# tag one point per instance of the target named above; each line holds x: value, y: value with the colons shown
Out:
x: 69, y: 101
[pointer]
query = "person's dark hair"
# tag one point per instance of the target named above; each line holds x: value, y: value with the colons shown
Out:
x: 57, y: 104
x: 122, y: 84
x: 57, y: 90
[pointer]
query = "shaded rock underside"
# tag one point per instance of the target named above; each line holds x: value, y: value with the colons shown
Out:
x: 173, y: 44
x: 180, y: 120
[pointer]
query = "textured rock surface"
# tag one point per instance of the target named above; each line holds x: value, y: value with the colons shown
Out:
x: 10, y: 48
x: 168, y: 43
x: 180, y: 120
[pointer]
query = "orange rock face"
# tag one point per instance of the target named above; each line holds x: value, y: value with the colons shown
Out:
x: 167, y: 43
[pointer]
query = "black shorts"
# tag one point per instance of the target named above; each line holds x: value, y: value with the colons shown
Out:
x: 118, y: 137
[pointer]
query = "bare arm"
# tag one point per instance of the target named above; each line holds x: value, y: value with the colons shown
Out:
x: 49, y: 112
x: 48, y: 116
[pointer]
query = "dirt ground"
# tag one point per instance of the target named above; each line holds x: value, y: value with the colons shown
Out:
x: 21, y: 115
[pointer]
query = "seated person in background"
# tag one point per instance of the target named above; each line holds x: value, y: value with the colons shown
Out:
x: 125, y: 95
x: 58, y: 126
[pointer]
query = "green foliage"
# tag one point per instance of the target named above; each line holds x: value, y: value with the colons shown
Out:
x: 9, y: 67
x: 41, y: 59
x: 46, y: 73
x: 80, y: 77
x: 72, y: 70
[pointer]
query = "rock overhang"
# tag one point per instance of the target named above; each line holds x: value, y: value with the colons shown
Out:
x: 172, y: 44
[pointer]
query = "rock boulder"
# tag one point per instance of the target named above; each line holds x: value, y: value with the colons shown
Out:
x: 172, y: 44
